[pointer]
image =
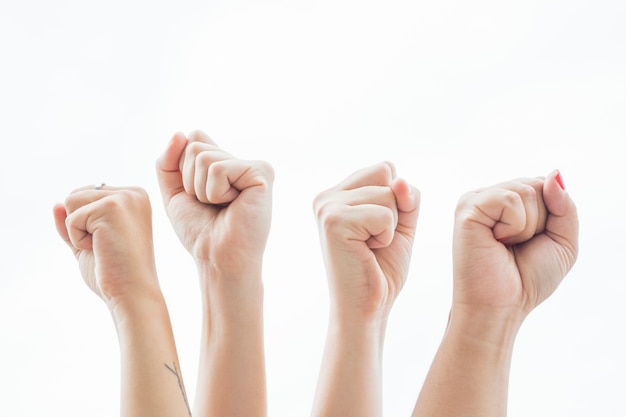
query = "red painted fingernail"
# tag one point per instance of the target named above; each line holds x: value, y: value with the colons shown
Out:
x: 559, y: 180
x: 503, y: 241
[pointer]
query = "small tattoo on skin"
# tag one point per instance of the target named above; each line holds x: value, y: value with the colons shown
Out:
x: 174, y: 370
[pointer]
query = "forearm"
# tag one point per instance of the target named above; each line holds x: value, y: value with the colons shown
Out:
x: 231, y: 379
x: 470, y: 373
x: 151, y: 379
x: 350, y: 379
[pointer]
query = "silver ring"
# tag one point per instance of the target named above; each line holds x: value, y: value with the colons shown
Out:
x: 99, y: 187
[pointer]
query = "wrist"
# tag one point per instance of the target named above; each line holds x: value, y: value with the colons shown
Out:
x: 236, y: 264
x: 138, y: 306
x: 231, y: 297
x: 487, y: 326
x: 347, y: 312
x: 358, y: 326
x: 243, y: 285
x: 226, y: 278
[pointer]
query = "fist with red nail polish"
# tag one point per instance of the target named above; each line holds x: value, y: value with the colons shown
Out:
x: 514, y: 242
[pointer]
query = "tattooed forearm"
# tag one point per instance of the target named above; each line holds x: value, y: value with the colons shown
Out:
x: 174, y: 370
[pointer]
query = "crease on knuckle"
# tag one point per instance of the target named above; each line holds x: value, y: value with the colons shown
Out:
x: 330, y: 215
x: 465, y: 201
x: 318, y: 202
x: 267, y: 170
x: 204, y: 160
x: 528, y: 192
x: 512, y: 198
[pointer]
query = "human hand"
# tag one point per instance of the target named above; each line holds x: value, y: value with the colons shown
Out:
x: 110, y: 232
x: 367, y: 226
x: 219, y: 206
x: 514, y: 242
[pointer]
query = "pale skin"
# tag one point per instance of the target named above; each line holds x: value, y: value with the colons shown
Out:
x: 367, y: 226
x: 220, y: 207
x: 514, y: 243
x: 110, y: 233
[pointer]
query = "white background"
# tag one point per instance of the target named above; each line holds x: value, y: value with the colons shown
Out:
x: 458, y: 94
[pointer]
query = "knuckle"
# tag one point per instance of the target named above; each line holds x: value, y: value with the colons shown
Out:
x: 195, y: 148
x: 140, y: 196
x: 326, y: 211
x: 389, y: 215
x: 536, y: 183
x: 527, y: 191
x: 332, y: 216
x: 319, y: 203
x: 195, y: 134
x: 214, y: 168
x: 125, y: 198
x: 115, y: 203
x: 511, y: 198
x: 139, y: 192
x: 69, y: 203
x: 267, y: 170
x: 317, y: 200
x: 204, y: 159
x: 464, y: 201
x: 74, y: 200
x: 385, y: 170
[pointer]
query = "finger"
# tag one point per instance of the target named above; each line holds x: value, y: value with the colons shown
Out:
x: 529, y: 191
x: 169, y: 160
x: 86, y: 195
x: 168, y: 167
x: 499, y: 211
x: 380, y: 174
x: 111, y: 210
x: 373, y: 195
x: 378, y: 222
x: 195, y: 163
x: 60, y: 215
x: 368, y: 223
x: 562, y: 221
x: 228, y: 177
x: 76, y: 225
x: 537, y: 184
x: 200, y: 136
x: 555, y: 195
x: 407, y: 202
x: 379, y: 195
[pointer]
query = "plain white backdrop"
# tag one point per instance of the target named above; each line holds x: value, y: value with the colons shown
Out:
x: 458, y: 94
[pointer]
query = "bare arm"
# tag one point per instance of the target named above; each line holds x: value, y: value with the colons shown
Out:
x: 152, y: 382
x: 367, y: 225
x: 513, y: 244
x: 110, y: 232
x: 220, y: 208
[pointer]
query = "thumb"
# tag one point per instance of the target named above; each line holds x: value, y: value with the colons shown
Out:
x: 60, y: 215
x: 168, y: 167
x: 407, y: 201
x: 562, y: 221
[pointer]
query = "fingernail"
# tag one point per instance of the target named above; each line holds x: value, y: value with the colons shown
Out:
x: 503, y: 241
x: 559, y: 180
